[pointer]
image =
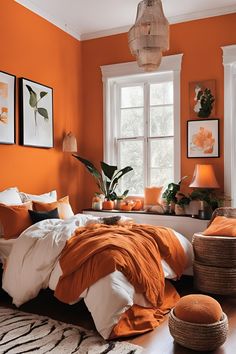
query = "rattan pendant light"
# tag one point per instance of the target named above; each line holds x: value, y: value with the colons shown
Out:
x: 149, y: 36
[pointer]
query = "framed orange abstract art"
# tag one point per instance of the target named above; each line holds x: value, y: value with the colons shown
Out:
x: 203, y: 138
x: 7, y: 108
x: 202, y: 99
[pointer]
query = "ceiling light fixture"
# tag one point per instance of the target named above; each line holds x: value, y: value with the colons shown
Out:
x: 149, y: 36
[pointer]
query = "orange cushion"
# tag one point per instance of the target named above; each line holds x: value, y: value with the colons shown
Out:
x: 15, y: 219
x: 152, y: 195
x: 198, y: 309
x: 221, y: 226
x: 63, y: 205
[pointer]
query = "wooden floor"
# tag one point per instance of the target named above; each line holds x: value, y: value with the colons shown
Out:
x: 158, y: 341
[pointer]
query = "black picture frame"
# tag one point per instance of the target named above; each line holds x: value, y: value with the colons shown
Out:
x: 36, y: 114
x: 203, y: 138
x: 7, y: 108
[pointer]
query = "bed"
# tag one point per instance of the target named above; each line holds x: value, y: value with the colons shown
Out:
x: 33, y: 263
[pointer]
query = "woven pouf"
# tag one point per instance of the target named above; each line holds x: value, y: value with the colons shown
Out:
x: 218, y: 251
x: 197, y: 322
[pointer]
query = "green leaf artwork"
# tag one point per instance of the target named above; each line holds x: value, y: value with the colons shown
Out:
x: 33, y: 102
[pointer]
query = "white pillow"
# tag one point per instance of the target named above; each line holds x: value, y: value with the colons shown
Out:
x: 43, y: 198
x: 10, y: 196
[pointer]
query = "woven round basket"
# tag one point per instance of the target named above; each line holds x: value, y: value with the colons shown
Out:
x: 200, y: 337
x: 217, y: 251
x: 214, y: 280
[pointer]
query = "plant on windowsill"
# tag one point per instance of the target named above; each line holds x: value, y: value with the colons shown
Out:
x: 170, y: 194
x: 210, y: 200
x: 182, y: 202
x: 106, y: 180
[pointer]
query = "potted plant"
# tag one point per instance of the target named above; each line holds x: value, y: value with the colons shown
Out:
x: 208, y: 201
x: 107, y: 180
x: 182, y: 202
x: 170, y: 194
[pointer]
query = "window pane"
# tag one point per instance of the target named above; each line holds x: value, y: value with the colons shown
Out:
x: 132, y: 96
x: 161, y: 93
x: 162, y: 161
x: 131, y: 154
x: 161, y: 121
x: 161, y: 176
x: 131, y: 122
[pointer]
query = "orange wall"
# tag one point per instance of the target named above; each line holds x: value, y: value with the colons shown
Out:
x: 200, y: 41
x: 33, y: 48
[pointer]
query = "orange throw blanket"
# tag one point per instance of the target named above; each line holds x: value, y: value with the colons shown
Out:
x: 136, y: 251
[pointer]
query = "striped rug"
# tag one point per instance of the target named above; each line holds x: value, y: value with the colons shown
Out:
x: 22, y: 332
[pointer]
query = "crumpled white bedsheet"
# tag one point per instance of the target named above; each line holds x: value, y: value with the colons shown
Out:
x: 33, y: 264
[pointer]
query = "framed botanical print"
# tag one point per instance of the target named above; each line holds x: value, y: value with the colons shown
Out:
x: 203, y: 138
x: 7, y: 108
x: 36, y: 114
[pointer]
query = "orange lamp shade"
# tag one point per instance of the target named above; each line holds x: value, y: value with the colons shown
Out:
x: 204, y: 177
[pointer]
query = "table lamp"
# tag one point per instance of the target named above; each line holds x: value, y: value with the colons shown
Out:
x: 205, y: 180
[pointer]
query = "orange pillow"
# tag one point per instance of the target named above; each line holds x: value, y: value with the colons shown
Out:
x: 152, y: 196
x: 15, y: 219
x: 198, y: 309
x: 221, y: 226
x: 63, y: 205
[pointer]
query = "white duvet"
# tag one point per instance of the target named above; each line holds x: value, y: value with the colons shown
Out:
x: 33, y: 265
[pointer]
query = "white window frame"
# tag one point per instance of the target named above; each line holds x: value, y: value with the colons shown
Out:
x: 111, y: 74
x: 229, y: 62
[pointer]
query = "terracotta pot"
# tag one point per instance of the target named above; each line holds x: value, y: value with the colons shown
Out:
x: 108, y: 205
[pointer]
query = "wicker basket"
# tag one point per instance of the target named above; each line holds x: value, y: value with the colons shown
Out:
x: 200, y: 337
x: 214, y: 280
x: 224, y: 211
x: 217, y: 251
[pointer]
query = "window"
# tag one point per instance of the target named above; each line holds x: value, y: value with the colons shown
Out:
x: 141, y: 125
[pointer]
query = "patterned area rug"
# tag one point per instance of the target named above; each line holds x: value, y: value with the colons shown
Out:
x: 22, y: 332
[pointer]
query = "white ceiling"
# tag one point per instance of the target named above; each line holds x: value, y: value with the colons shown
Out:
x: 85, y: 19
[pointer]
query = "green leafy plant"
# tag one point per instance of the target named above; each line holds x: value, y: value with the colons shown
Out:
x: 34, y: 101
x: 206, y: 100
x: 182, y: 199
x: 107, y: 180
x: 170, y: 194
x: 208, y: 196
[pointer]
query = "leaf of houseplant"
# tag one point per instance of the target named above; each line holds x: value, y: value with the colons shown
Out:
x: 43, y: 93
x: 119, y: 174
x: 90, y: 167
x: 43, y: 113
x: 108, y: 170
x: 122, y: 172
x: 33, y: 97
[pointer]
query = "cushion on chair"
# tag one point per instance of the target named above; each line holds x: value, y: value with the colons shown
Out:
x: 221, y: 226
x: 198, y: 309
